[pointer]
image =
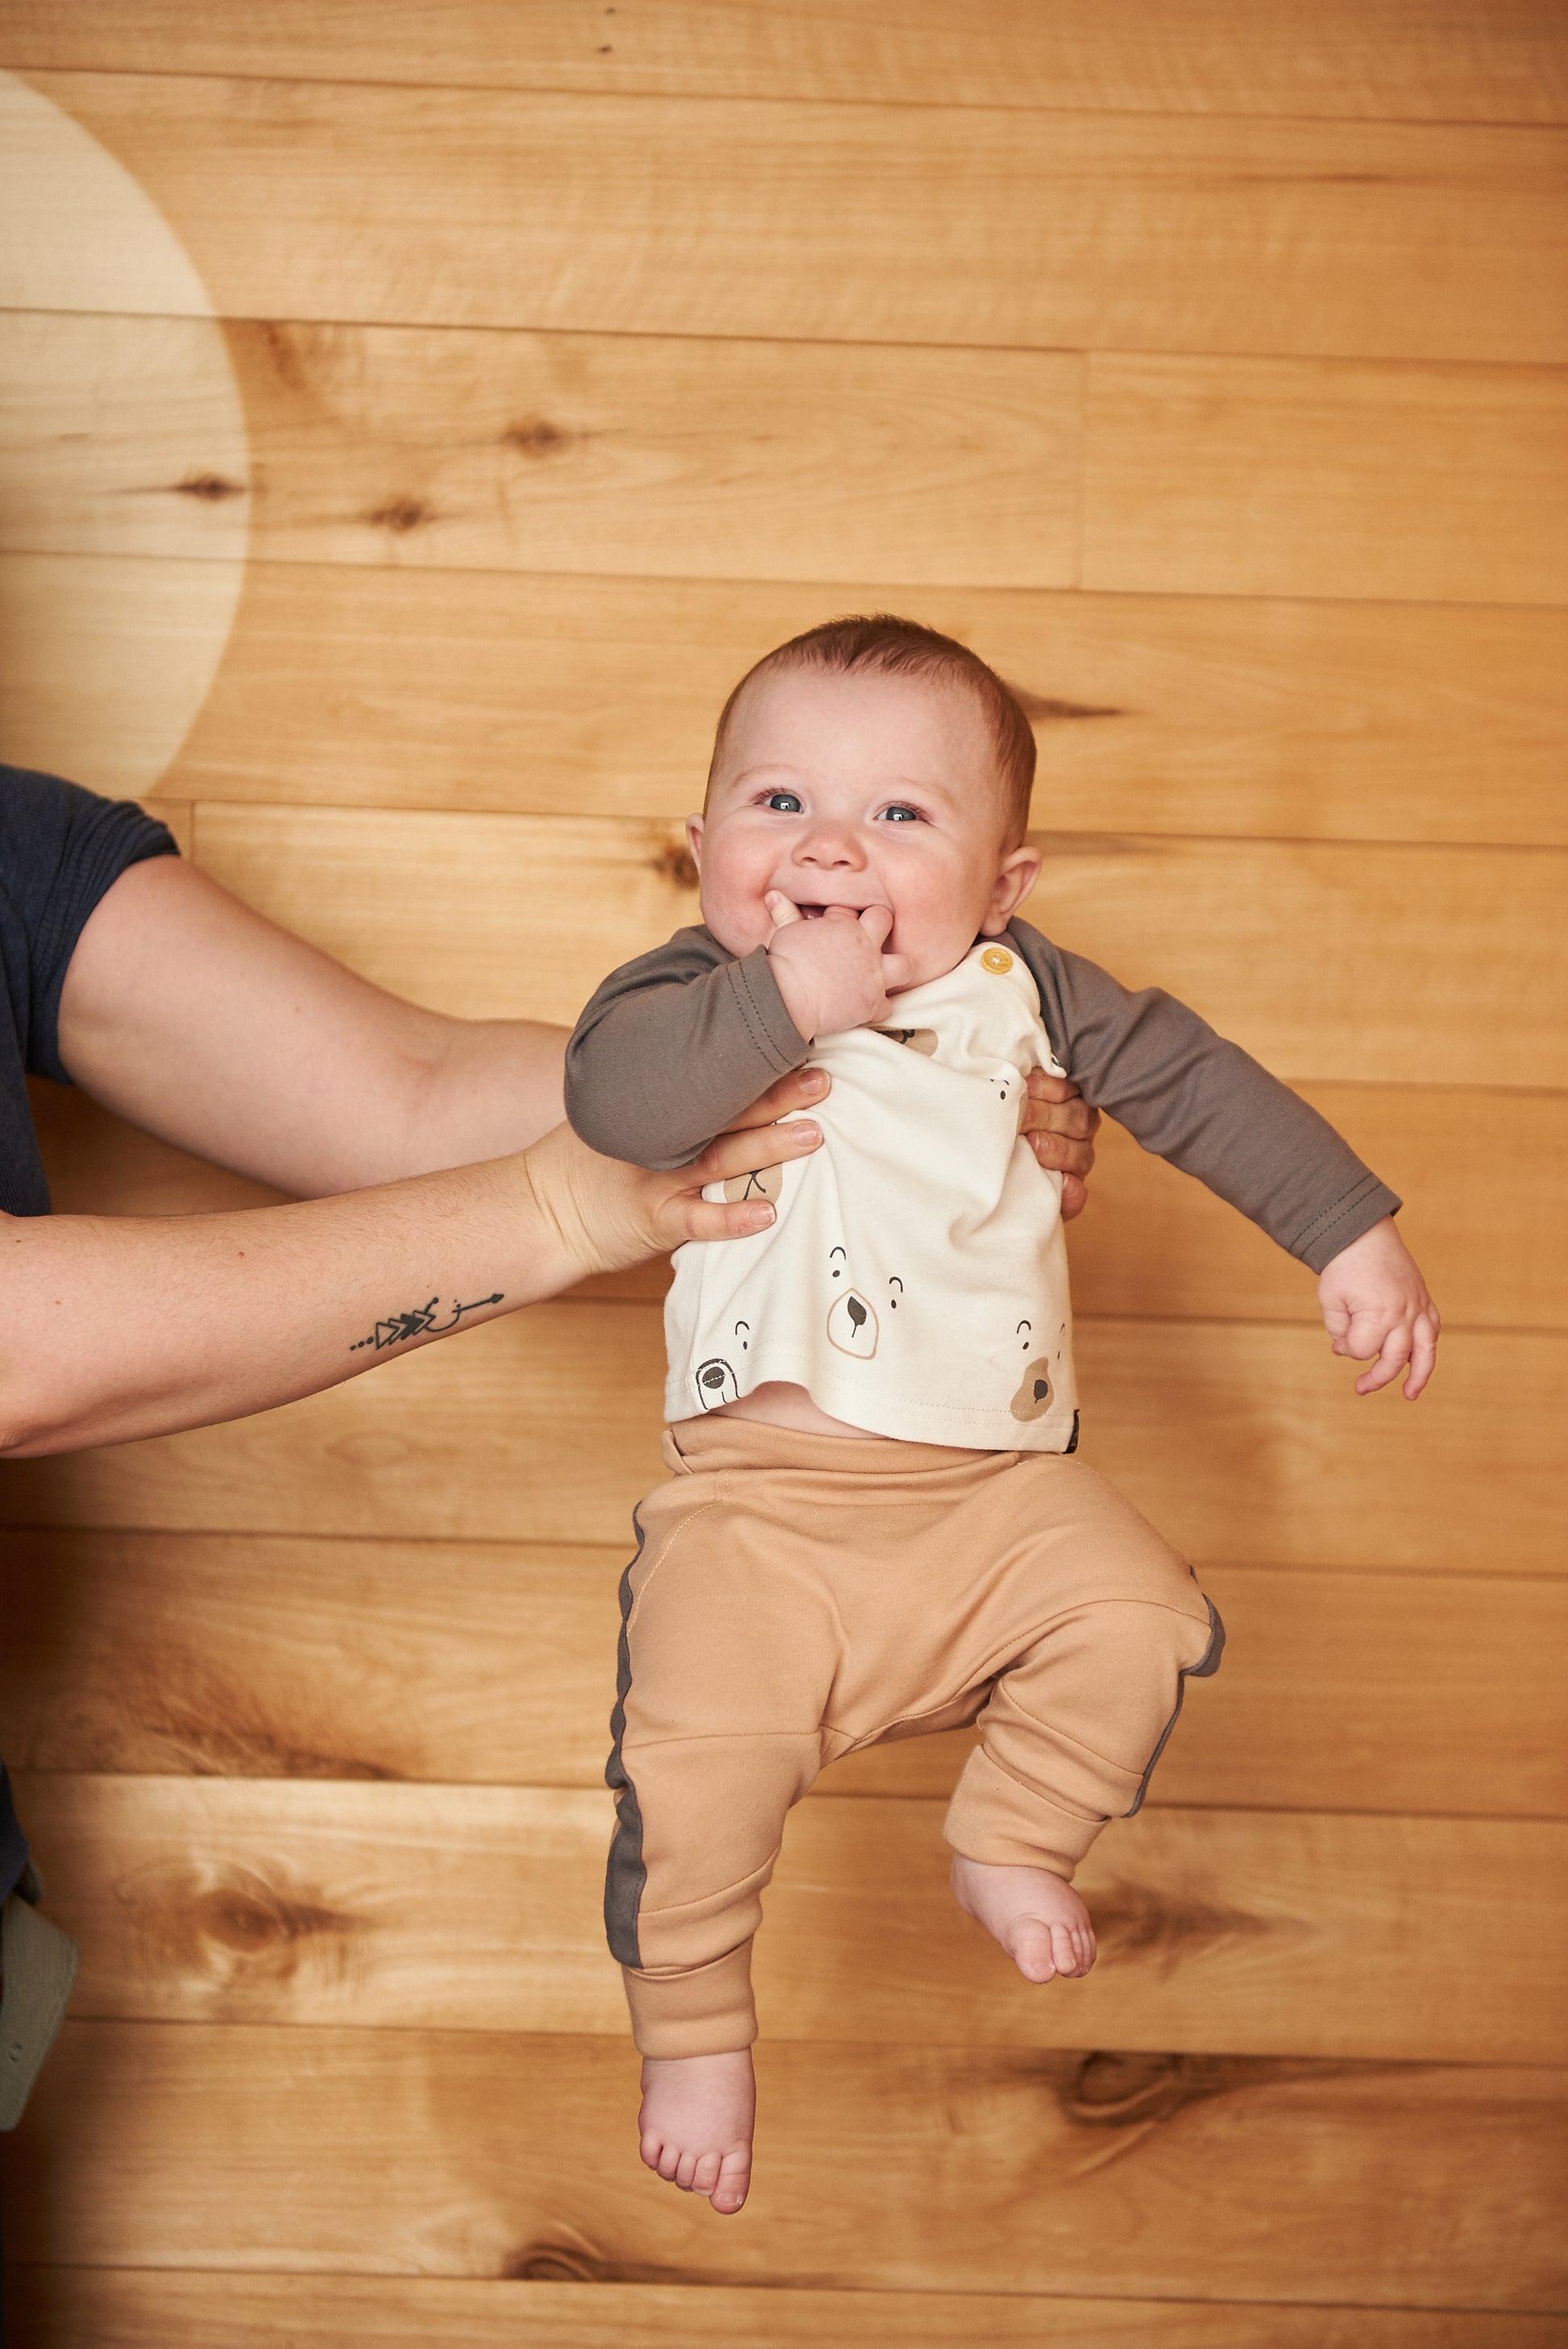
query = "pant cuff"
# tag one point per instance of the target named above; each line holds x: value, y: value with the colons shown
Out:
x: 994, y: 1819
x: 707, y: 2011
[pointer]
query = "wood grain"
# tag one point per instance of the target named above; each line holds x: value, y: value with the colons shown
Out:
x: 1287, y: 947
x: 262, y: 1657
x: 550, y: 452
x: 1370, y: 963
x: 846, y: 222
x: 1397, y: 60
x: 480, y: 1909
x: 118, y: 2308
x: 1285, y: 477
x: 480, y: 2154
x: 1152, y: 1243
x: 1242, y: 1440
x: 502, y: 693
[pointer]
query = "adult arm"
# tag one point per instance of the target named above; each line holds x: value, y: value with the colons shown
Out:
x: 1188, y: 1095
x: 203, y: 1023
x: 120, y: 1327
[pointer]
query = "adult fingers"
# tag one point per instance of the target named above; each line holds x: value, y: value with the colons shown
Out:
x: 1075, y: 1196
x: 753, y: 1147
x: 714, y: 1219
x: 1064, y: 1114
x: 794, y: 1092
x: 1423, y: 1353
x: 1045, y: 1085
x: 1059, y: 1153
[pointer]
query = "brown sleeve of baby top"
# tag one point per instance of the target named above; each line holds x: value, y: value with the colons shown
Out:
x: 676, y: 1043
x: 1186, y: 1095
x: 673, y: 1046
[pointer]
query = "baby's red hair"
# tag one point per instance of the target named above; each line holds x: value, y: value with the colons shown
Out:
x: 883, y: 644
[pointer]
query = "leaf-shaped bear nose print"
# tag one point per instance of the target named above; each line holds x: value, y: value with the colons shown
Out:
x: 765, y: 1184
x: 1034, y: 1397
x: 716, y: 1383
x: 852, y: 1326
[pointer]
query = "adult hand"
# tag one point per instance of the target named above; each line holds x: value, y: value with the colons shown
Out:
x: 610, y: 1215
x: 1061, y: 1128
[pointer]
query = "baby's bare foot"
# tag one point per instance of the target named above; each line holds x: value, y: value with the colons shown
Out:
x: 696, y: 2123
x: 1037, y: 1916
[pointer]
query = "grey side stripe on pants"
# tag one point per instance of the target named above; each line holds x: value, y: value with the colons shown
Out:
x: 624, y: 1874
x: 1206, y: 1666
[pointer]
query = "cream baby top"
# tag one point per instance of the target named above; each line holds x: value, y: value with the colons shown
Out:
x: 914, y: 1282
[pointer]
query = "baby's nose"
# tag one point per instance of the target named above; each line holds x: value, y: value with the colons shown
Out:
x: 831, y: 844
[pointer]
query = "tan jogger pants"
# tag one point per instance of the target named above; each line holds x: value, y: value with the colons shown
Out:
x: 794, y: 1597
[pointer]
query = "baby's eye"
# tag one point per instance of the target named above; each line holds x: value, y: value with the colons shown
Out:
x: 782, y: 803
x: 900, y: 812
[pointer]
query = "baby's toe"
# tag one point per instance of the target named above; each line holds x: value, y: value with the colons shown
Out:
x: 705, y: 2177
x: 651, y: 2146
x: 734, y: 2179
x: 685, y: 2172
x: 669, y: 2162
x: 1030, y: 1946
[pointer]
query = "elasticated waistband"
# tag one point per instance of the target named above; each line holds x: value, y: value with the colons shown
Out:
x: 716, y: 1442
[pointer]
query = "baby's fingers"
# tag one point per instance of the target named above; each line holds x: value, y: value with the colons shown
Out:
x: 1392, y: 1357
x: 781, y: 910
x: 1423, y: 1353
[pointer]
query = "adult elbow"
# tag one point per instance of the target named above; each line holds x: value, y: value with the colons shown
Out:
x: 36, y: 1417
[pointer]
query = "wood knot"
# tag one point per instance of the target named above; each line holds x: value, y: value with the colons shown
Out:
x: 676, y: 865
x: 1052, y: 708
x: 210, y: 488
x: 536, y: 437
x: 399, y: 514
x: 554, y: 2263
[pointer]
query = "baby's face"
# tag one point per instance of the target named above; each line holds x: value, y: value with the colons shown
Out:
x: 861, y: 790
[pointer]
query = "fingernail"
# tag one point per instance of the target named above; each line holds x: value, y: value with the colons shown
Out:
x: 812, y: 1082
x: 757, y: 1219
x: 806, y: 1132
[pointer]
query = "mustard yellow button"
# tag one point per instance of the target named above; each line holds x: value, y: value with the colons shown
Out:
x: 996, y: 958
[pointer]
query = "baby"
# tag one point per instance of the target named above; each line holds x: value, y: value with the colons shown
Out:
x: 874, y: 1525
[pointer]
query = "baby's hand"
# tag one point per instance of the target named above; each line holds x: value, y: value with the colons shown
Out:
x: 833, y: 972
x: 1375, y: 1302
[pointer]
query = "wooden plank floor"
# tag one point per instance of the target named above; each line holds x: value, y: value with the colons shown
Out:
x: 459, y: 2153
x: 1060, y: 229
x: 480, y: 1909
x: 506, y: 381
x: 120, y: 2308
x: 503, y: 693
x: 264, y: 1657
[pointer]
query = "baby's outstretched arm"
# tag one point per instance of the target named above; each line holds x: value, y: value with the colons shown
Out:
x: 1376, y: 1303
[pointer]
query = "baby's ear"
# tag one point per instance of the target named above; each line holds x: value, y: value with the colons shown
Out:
x: 694, y: 839
x: 1015, y: 877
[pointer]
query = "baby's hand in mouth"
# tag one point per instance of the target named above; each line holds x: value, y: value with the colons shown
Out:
x: 830, y: 964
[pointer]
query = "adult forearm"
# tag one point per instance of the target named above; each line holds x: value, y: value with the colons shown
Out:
x: 489, y: 1087
x: 124, y: 1327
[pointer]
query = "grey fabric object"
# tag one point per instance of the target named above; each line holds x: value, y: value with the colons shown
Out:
x: 673, y: 1046
x: 676, y: 1044
x: 1207, y: 1665
x: 1189, y: 1096
x: 39, y: 1963
x: 625, y: 1873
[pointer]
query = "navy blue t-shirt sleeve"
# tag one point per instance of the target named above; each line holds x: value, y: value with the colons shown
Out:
x: 60, y: 849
